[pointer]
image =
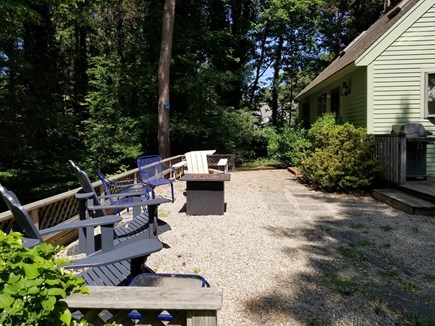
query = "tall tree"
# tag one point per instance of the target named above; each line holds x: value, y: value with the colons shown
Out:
x: 292, y: 28
x: 163, y: 78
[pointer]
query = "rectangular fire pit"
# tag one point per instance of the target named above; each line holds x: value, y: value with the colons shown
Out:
x: 205, y: 193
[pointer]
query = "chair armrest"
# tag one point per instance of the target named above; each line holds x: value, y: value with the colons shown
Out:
x: 97, y: 221
x: 88, y: 195
x: 149, y: 202
x: 136, y: 248
x: 84, y: 195
x: 128, y: 193
x: 179, y: 164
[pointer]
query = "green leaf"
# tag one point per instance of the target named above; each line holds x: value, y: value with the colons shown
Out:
x: 14, y: 278
x: 5, y: 300
x: 12, y: 288
x: 57, y: 291
x: 48, y: 303
x: 52, y: 281
x: 65, y: 316
x: 31, y: 271
x: 35, y: 282
x: 84, y: 290
x: 33, y: 290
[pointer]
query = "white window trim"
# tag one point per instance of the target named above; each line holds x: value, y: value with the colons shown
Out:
x: 424, y: 95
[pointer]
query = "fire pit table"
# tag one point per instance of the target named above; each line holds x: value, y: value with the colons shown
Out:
x: 205, y: 193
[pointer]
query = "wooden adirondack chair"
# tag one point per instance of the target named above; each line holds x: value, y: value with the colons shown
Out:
x: 117, y: 261
x: 147, y: 223
x: 197, y: 162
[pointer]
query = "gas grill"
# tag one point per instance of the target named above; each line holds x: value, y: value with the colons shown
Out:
x: 416, y: 147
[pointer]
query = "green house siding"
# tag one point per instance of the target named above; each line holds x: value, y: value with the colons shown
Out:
x: 352, y: 106
x: 396, y: 84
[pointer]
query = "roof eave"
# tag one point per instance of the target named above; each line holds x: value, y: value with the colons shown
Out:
x: 307, y: 91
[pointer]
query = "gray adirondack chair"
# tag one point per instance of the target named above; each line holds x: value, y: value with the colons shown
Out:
x: 147, y: 223
x: 117, y: 261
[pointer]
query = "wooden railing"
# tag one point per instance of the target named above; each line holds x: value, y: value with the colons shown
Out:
x: 391, y: 150
x: 214, y: 159
x: 64, y: 207
x: 106, y: 304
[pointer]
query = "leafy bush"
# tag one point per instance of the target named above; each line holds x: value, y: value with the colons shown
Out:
x: 289, y: 146
x: 322, y: 129
x: 31, y: 284
x: 341, y: 158
x: 223, y: 129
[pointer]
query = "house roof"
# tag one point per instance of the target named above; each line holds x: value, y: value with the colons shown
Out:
x: 362, y: 43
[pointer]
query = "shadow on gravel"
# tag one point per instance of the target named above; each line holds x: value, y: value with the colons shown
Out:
x: 367, y: 266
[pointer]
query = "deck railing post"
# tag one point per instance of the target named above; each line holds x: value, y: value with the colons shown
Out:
x: 391, y: 151
x: 201, y: 318
x: 34, y: 214
x: 402, y: 169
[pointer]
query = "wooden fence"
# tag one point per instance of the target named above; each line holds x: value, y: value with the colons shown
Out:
x: 391, y: 150
x: 106, y: 304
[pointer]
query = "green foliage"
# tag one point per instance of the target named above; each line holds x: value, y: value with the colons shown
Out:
x: 321, y: 129
x: 31, y: 284
x: 242, y: 136
x: 341, y: 157
x: 78, y: 79
x: 110, y: 135
x: 288, y: 146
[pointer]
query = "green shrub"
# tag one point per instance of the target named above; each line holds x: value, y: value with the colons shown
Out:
x: 341, y: 158
x: 31, y: 283
x: 288, y: 146
x: 322, y: 129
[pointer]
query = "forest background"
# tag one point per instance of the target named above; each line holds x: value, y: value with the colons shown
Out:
x: 78, y: 78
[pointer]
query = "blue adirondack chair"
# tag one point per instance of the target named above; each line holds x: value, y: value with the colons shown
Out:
x: 151, y: 170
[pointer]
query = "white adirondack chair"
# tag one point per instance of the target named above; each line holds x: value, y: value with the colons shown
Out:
x: 197, y: 162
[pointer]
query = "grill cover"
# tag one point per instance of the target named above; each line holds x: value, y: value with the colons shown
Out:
x: 411, y: 130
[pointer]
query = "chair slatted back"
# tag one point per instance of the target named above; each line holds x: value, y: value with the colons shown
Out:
x: 86, y: 184
x: 22, y: 218
x: 197, y: 161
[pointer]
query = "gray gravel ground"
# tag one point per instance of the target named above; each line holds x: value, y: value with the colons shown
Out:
x: 285, y: 255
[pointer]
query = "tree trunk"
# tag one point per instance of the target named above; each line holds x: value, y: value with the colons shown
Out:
x: 258, y: 66
x: 276, y: 80
x: 164, y: 69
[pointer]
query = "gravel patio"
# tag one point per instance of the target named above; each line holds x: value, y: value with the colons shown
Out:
x: 285, y: 255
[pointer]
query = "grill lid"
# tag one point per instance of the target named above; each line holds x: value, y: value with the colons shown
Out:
x: 411, y: 130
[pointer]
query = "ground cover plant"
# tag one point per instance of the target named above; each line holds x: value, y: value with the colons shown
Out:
x: 31, y: 283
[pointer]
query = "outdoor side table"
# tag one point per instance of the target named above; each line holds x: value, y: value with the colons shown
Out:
x: 205, y: 193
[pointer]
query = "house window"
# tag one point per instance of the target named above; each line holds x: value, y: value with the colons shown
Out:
x: 321, y: 104
x: 335, y: 102
x: 306, y: 115
x: 430, y: 95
